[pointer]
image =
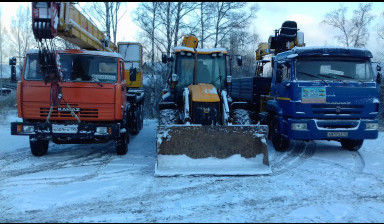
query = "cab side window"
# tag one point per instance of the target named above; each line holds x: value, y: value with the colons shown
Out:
x: 122, y: 71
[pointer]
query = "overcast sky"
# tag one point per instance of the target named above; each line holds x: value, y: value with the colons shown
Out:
x: 270, y: 16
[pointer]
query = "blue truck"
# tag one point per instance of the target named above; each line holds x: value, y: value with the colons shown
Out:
x: 314, y: 93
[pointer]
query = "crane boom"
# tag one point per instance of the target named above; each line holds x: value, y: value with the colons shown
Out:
x: 62, y: 19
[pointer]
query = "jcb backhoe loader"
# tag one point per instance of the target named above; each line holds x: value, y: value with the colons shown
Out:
x: 199, y: 131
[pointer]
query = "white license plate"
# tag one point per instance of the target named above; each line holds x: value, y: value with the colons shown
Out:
x: 59, y: 128
x: 337, y: 134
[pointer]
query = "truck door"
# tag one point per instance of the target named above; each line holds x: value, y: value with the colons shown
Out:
x: 283, y: 80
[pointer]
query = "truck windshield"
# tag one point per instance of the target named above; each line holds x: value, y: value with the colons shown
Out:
x: 77, y: 68
x: 210, y: 69
x: 334, y: 69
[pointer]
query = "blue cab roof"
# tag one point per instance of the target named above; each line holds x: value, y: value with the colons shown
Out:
x: 325, y: 51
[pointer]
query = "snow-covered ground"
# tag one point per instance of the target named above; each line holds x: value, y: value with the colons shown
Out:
x: 311, y: 182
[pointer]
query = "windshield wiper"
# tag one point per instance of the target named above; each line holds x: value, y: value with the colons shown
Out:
x: 334, y: 77
x: 316, y: 76
x: 354, y: 79
x: 98, y: 83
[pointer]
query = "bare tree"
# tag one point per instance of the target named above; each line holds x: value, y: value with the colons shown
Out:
x: 205, y: 20
x: 146, y: 17
x: 361, y: 19
x: 2, y: 38
x: 354, y: 32
x: 21, y: 34
x: 228, y: 16
x: 182, y: 9
x: 106, y: 15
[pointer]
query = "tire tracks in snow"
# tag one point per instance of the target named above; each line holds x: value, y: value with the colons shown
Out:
x: 297, y: 154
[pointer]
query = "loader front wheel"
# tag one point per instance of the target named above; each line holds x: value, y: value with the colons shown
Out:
x: 38, y: 147
x: 241, y: 117
x: 168, y: 117
x: 280, y: 142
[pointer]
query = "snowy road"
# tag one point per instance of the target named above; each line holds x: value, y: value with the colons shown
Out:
x: 311, y: 182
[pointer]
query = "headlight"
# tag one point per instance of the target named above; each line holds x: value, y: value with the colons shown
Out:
x: 371, y: 126
x: 299, y: 126
x: 28, y: 129
x: 102, y: 130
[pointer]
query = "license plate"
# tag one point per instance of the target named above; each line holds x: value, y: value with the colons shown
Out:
x: 59, y: 128
x: 337, y: 134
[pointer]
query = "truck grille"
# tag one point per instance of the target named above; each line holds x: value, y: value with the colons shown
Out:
x: 83, y: 113
x: 346, y: 124
x: 328, y: 110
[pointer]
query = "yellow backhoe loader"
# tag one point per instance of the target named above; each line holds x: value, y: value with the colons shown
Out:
x: 200, y: 132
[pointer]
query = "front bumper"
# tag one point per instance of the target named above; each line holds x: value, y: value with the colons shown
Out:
x: 330, y: 129
x: 67, y: 131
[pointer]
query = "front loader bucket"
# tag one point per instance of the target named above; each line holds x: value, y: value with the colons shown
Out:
x: 212, y: 150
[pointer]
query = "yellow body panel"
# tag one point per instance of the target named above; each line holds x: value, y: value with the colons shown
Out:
x: 203, y: 92
x: 77, y: 29
x: 134, y: 84
x: 190, y: 41
x: 262, y: 49
x: 135, y: 56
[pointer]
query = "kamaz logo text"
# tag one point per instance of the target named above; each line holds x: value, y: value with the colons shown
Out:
x: 66, y: 109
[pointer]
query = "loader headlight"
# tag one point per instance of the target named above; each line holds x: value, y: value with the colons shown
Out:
x: 371, y: 126
x: 102, y: 130
x: 299, y: 126
x: 28, y: 129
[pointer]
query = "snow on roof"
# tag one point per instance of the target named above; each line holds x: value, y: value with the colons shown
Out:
x: 325, y: 50
x: 200, y: 50
x: 82, y: 51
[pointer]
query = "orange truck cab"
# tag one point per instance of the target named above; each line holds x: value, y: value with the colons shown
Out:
x: 95, y: 106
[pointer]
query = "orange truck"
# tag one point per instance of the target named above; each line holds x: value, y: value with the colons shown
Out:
x: 100, y: 98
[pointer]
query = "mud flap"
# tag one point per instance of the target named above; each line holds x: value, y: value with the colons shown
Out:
x: 212, y: 150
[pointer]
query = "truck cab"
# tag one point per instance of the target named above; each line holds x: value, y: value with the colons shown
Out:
x: 323, y: 93
x: 93, y: 107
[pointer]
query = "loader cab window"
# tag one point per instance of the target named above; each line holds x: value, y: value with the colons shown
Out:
x: 210, y: 69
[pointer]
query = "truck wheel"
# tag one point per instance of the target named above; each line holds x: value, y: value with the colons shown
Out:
x: 122, y: 144
x: 38, y: 147
x: 280, y: 143
x: 136, y: 121
x: 352, y: 144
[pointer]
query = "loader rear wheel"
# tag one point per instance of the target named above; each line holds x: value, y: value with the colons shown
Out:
x: 122, y: 144
x: 38, y: 147
x: 280, y: 142
x: 352, y: 144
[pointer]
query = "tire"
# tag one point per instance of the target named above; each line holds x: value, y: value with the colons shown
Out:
x: 168, y: 117
x: 38, y: 147
x: 241, y: 117
x: 135, y: 122
x: 122, y: 144
x: 352, y: 144
x: 280, y: 142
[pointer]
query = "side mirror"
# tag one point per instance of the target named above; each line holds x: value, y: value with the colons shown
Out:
x: 12, y: 61
x: 174, y: 78
x: 239, y: 60
x: 132, y: 74
x: 164, y: 58
x: 229, y: 79
x: 378, y: 77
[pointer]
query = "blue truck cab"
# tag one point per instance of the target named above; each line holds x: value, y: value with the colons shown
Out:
x: 322, y: 93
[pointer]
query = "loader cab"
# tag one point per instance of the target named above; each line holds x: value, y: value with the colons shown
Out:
x: 210, y: 65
